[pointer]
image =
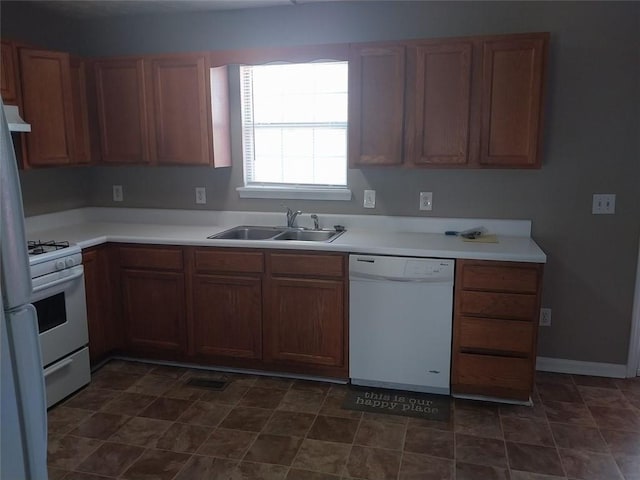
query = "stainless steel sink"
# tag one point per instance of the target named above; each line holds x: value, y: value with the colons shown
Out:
x: 249, y: 233
x: 308, y: 235
x: 277, y: 233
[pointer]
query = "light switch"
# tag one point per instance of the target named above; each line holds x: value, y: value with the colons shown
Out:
x: 604, y: 204
x: 201, y: 195
x: 117, y: 193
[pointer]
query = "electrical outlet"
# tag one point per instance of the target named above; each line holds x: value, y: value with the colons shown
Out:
x: 117, y: 193
x: 426, y: 201
x: 201, y: 195
x: 604, y: 204
x: 545, y: 317
x: 369, y: 199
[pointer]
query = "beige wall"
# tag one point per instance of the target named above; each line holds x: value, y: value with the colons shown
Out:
x: 592, y: 134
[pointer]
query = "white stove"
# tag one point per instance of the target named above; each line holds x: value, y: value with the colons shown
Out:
x: 57, y: 276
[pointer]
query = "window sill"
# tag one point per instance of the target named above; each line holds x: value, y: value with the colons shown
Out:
x: 295, y: 193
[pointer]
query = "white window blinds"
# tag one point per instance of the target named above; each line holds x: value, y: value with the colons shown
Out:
x: 294, y: 124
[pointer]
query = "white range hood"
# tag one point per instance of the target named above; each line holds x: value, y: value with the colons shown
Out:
x: 15, y: 121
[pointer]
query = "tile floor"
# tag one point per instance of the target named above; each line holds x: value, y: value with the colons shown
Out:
x: 140, y: 421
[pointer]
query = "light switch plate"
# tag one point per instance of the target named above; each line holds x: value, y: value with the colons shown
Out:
x: 426, y: 200
x: 201, y: 195
x: 117, y: 193
x: 604, y: 204
x: 369, y: 199
x: 545, y: 317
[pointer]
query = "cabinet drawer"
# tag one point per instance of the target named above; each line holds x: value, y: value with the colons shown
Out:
x: 488, y: 334
x: 501, y: 279
x: 501, y: 305
x: 154, y: 258
x: 228, y: 261
x: 313, y: 265
x: 497, y: 372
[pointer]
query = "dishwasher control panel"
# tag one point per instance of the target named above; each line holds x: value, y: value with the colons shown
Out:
x: 401, y: 268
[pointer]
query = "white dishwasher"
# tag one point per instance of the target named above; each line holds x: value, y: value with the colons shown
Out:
x: 400, y: 317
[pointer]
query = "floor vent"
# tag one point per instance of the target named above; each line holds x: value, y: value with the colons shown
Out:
x: 206, y: 383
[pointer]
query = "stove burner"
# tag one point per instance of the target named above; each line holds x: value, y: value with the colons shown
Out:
x: 39, y: 247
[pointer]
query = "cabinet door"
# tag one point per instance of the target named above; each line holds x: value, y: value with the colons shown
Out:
x: 376, y: 105
x: 46, y: 88
x: 512, y: 102
x: 305, y: 323
x: 96, y: 285
x: 179, y: 101
x: 121, y: 109
x: 153, y: 308
x: 80, y: 113
x: 442, y: 105
x: 227, y: 316
x: 8, y: 82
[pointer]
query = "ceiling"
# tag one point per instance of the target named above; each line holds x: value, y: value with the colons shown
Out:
x: 111, y: 8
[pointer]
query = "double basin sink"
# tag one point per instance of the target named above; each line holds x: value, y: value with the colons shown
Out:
x: 277, y: 233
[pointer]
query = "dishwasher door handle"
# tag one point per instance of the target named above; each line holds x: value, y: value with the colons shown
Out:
x: 383, y: 278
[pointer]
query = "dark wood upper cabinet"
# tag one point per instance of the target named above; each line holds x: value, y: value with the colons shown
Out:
x: 472, y: 102
x: 122, y: 112
x: 438, y: 115
x: 512, y: 93
x: 46, y: 89
x: 179, y: 93
x: 8, y: 70
x: 376, y: 105
x: 80, y: 113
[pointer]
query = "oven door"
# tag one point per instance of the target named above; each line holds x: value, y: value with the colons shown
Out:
x: 60, y: 301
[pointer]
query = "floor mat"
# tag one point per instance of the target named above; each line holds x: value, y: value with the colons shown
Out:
x: 398, y: 402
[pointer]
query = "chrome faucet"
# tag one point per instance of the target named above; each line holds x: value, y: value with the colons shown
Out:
x: 316, y: 223
x: 291, y: 217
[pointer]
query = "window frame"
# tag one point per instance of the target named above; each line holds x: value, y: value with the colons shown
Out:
x: 291, y: 190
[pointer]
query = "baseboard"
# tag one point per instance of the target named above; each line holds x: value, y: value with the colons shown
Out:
x: 576, y: 367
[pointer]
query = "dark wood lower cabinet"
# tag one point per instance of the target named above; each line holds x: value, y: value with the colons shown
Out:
x: 306, y: 322
x: 306, y: 325
x: 286, y: 311
x: 495, y: 326
x: 101, y: 320
x: 152, y: 297
x: 227, y: 316
x: 153, y: 307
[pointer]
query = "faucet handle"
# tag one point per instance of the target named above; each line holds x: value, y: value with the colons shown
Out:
x: 316, y: 222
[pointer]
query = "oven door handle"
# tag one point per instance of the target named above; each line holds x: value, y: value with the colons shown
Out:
x: 57, y: 367
x: 58, y: 282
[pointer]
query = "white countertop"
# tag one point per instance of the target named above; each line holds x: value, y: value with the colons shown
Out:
x: 369, y: 240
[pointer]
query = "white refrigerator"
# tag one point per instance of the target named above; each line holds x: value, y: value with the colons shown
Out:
x: 23, y: 412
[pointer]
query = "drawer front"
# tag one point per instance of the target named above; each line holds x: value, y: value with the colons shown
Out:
x: 312, y: 265
x: 488, y: 334
x: 500, y: 279
x: 228, y: 261
x: 153, y: 258
x: 66, y: 376
x: 501, y: 305
x: 490, y: 371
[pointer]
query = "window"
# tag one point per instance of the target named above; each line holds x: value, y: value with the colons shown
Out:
x: 294, y: 128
